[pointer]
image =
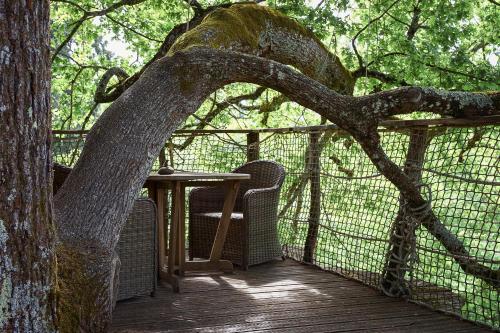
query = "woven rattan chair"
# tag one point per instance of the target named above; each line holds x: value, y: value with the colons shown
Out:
x: 137, y: 251
x: 252, y: 237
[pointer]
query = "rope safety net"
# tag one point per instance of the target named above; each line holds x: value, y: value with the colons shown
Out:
x: 354, y: 223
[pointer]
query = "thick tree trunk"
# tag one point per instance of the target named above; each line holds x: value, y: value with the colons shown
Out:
x: 27, y: 259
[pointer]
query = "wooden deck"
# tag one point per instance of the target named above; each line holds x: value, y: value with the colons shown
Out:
x: 278, y: 297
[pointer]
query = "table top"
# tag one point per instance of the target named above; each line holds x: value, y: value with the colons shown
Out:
x: 186, y: 176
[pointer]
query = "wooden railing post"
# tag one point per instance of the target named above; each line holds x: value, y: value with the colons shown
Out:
x: 252, y: 146
x: 315, y: 192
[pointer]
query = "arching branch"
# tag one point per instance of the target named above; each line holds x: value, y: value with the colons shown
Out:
x: 101, y: 92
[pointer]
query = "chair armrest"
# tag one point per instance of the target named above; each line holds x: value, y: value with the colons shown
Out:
x: 259, y: 197
x: 260, y: 209
x: 206, y: 199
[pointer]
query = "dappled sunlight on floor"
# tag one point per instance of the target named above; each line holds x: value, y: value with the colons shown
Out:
x: 278, y: 297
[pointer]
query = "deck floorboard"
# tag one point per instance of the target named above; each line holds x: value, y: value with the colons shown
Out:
x: 278, y: 297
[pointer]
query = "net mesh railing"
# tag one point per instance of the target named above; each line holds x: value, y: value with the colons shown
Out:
x: 346, y: 224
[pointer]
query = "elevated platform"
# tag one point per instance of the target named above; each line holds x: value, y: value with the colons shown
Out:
x: 278, y: 297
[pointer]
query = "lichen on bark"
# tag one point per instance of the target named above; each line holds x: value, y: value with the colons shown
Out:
x: 5, y: 271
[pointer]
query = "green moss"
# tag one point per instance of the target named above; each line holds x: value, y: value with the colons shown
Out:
x: 242, y: 27
x: 240, y: 24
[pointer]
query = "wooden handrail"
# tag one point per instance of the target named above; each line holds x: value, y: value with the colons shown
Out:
x: 387, y: 124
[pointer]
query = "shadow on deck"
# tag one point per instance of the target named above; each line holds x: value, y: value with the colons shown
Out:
x: 278, y: 297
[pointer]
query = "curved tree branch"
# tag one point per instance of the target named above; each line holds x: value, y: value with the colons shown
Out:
x: 101, y: 95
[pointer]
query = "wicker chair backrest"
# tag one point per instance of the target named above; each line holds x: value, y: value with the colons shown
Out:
x: 263, y: 174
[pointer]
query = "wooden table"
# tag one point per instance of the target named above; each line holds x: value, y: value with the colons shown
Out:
x: 177, y: 182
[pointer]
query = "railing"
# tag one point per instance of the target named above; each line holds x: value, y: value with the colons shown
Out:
x: 339, y: 213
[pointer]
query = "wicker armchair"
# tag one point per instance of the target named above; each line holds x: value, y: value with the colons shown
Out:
x: 137, y: 251
x: 252, y: 237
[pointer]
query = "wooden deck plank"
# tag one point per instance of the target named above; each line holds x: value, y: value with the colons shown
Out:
x: 277, y: 318
x: 278, y: 297
x: 278, y: 310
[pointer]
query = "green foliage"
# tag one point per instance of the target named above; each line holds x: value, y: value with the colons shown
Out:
x: 127, y: 37
x: 454, y: 47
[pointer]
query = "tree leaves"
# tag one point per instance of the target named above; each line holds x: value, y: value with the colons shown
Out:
x: 453, y: 45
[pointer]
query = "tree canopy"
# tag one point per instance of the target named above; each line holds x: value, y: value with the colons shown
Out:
x: 385, y: 44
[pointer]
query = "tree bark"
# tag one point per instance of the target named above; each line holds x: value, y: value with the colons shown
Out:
x: 27, y: 258
x: 402, y: 238
x: 253, y: 146
x: 314, y: 169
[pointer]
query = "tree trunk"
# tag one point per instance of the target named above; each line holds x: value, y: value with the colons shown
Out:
x: 253, y: 149
x: 27, y: 259
x: 402, y: 238
x: 314, y: 169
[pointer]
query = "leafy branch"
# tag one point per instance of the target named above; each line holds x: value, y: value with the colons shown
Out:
x: 86, y: 16
x: 353, y: 41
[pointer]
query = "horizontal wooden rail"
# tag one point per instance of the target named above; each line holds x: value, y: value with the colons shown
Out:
x: 387, y: 124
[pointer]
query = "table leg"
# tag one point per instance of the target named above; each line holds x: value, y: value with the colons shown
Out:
x: 225, y: 220
x: 160, y: 204
x: 174, y: 228
x: 172, y: 242
x: 181, y: 250
x: 152, y: 188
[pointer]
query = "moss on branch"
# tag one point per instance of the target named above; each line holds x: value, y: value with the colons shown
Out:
x: 264, y: 32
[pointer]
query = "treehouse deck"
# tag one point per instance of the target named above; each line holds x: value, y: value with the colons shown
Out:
x: 278, y: 297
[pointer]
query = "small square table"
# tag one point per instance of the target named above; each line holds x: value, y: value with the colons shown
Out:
x: 177, y: 182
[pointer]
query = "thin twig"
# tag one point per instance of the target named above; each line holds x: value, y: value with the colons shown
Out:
x: 353, y: 42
